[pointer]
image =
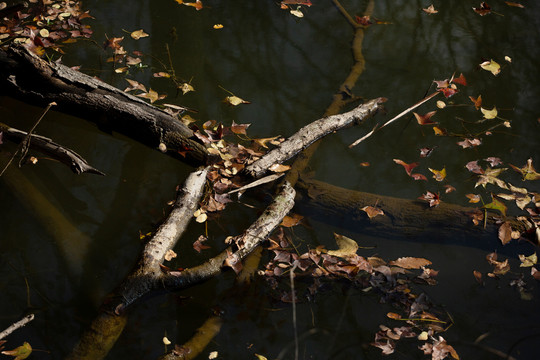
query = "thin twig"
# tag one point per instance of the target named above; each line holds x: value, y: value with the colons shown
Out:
x: 291, y: 274
x: 25, y: 144
x: 404, y: 112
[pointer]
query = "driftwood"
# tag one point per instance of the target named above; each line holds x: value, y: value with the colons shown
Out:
x: 29, y: 78
x: 19, y: 324
x: 76, y: 163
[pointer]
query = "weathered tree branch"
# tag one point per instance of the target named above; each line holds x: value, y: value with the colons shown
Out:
x: 311, y: 133
x: 76, y: 163
x: 19, y: 324
x: 31, y: 79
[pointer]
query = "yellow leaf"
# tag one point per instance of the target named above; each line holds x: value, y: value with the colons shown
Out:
x: 166, y: 341
x: 218, y: 26
x: 279, y: 168
x: 260, y: 357
x: 120, y: 70
x: 491, y: 66
x: 235, y: 100
x: 489, y: 114
x: 44, y: 33
x: 137, y: 34
x: 185, y: 87
x: 347, y: 246
x: 441, y: 104
x: 528, y: 261
x: 438, y: 131
x: 297, y: 13
x: 20, y: 353
x: 438, y: 175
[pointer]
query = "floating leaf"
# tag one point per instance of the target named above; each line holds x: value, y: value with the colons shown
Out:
x: 489, y: 114
x: 347, y: 246
x: 21, y: 352
x: 198, y: 244
x: 162, y: 74
x: 239, y: 128
x: 494, y: 161
x: 198, y: 5
x: 408, y: 167
x: 152, y: 96
x: 260, y: 357
x: 473, y: 166
x: 438, y: 131
x: 425, y: 119
x: 218, y: 26
x: 169, y: 255
x: 438, y: 175
x: 235, y: 100
x: 200, y: 216
x: 514, y: 4
x: 491, y: 66
x: 426, y: 151
x: 508, y: 59
x: 505, y: 233
x: 478, y: 276
x: 460, y: 80
x: 528, y: 261
x: 527, y: 171
x: 490, y: 177
x: 263, y: 142
x: 469, y: 143
x: 496, y: 204
x: 292, y: 220
x: 279, y: 168
x: 476, y: 101
x: 137, y: 34
x: 410, y: 262
x: 185, y: 87
x: 441, y: 104
x: 418, y: 177
x: 298, y: 13
x: 430, y: 9
x: 166, y: 341
x: 473, y: 198
x: 483, y: 9
x: 449, y: 189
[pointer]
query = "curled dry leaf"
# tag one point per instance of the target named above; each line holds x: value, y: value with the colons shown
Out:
x: 425, y: 119
x: 279, y: 168
x: 432, y: 198
x: 473, y: 198
x: 438, y: 175
x: 476, y: 101
x: 408, y: 167
x: 478, y: 276
x: 292, y: 220
x: 185, y: 87
x: 430, y: 9
x: 491, y: 66
x: 489, y: 114
x: 505, y: 233
x: 235, y: 100
x: 169, y: 255
x: 372, y: 211
x: 410, y: 262
x: 528, y: 261
x: 137, y: 34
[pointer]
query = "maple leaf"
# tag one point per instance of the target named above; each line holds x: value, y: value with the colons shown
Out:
x: 438, y: 175
x: 490, y: 177
x: 432, y: 198
x: 408, y: 167
x: 19, y: 353
x: 527, y: 171
x: 460, y: 80
x: 425, y: 119
x: 239, y: 128
x: 489, y: 114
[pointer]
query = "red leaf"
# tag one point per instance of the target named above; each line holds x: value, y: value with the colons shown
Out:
x: 460, y: 80
x: 418, y: 177
x: 408, y: 167
x: 483, y: 9
x: 432, y: 198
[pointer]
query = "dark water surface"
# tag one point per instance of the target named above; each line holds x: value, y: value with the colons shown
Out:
x: 288, y: 69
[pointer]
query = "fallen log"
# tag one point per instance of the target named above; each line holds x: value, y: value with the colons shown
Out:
x: 31, y: 79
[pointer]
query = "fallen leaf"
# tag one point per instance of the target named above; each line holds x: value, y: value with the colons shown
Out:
x: 263, y: 142
x: 460, y: 80
x: 508, y: 59
x: 535, y: 273
x: 438, y: 175
x: 372, y: 211
x: 425, y: 119
x: 137, y: 34
x: 408, y: 167
x: 438, y: 131
x: 235, y: 100
x: 418, y: 177
x: 347, y: 246
x: 393, y: 316
x: 218, y: 26
x: 473, y: 198
x: 494, y: 161
x: 483, y: 9
x: 279, y: 168
x: 514, y: 4
x: 496, y: 204
x: 528, y: 261
x: 476, y: 101
x: 440, y: 104
x: 292, y: 220
x: 166, y: 341
x: 473, y: 166
x: 152, y: 96
x: 469, y: 143
x: 505, y: 233
x: 169, y: 255
x: 198, y: 5
x: 478, y: 276
x: 426, y: 151
x: 21, y: 352
x: 430, y: 10
x: 449, y: 189
x: 410, y: 262
x: 162, y: 74
x: 527, y: 171
x: 239, y: 128
x: 432, y: 198
x: 198, y: 244
x: 297, y: 13
x: 491, y: 66
x: 185, y: 87
x: 489, y: 114
x: 489, y: 176
x: 135, y: 86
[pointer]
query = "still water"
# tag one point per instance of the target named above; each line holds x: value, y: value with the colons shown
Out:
x: 288, y: 68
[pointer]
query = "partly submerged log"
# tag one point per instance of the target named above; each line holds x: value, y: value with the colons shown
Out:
x: 31, y: 79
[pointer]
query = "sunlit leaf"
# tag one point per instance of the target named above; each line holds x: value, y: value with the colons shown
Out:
x: 169, y: 255
x: 200, y: 216
x: 137, y: 34
x: 393, y: 316
x: 438, y: 175
x: 508, y: 59
x: 297, y: 12
x: 491, y: 66
x: 162, y: 74
x: 410, y: 262
x: 235, y: 100
x: 279, y: 168
x: 218, y: 26
x: 152, y: 96
x: 166, y: 341
x: 44, y: 33
x: 347, y: 246
x: 449, y: 189
x: 527, y: 171
x: 505, y: 232
x: 260, y: 357
x: 198, y: 5
x: 441, y: 104
x: 438, y: 131
x: 291, y: 220
x: 185, y: 87
x: 264, y: 141
x: 419, y: 177
x: 528, y: 261
x: 469, y: 143
x: 490, y: 177
x: 430, y: 10
x: 121, y: 70
x: 489, y: 114
x: 514, y: 4
x: 239, y: 128
x: 461, y: 80
x: 432, y: 198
